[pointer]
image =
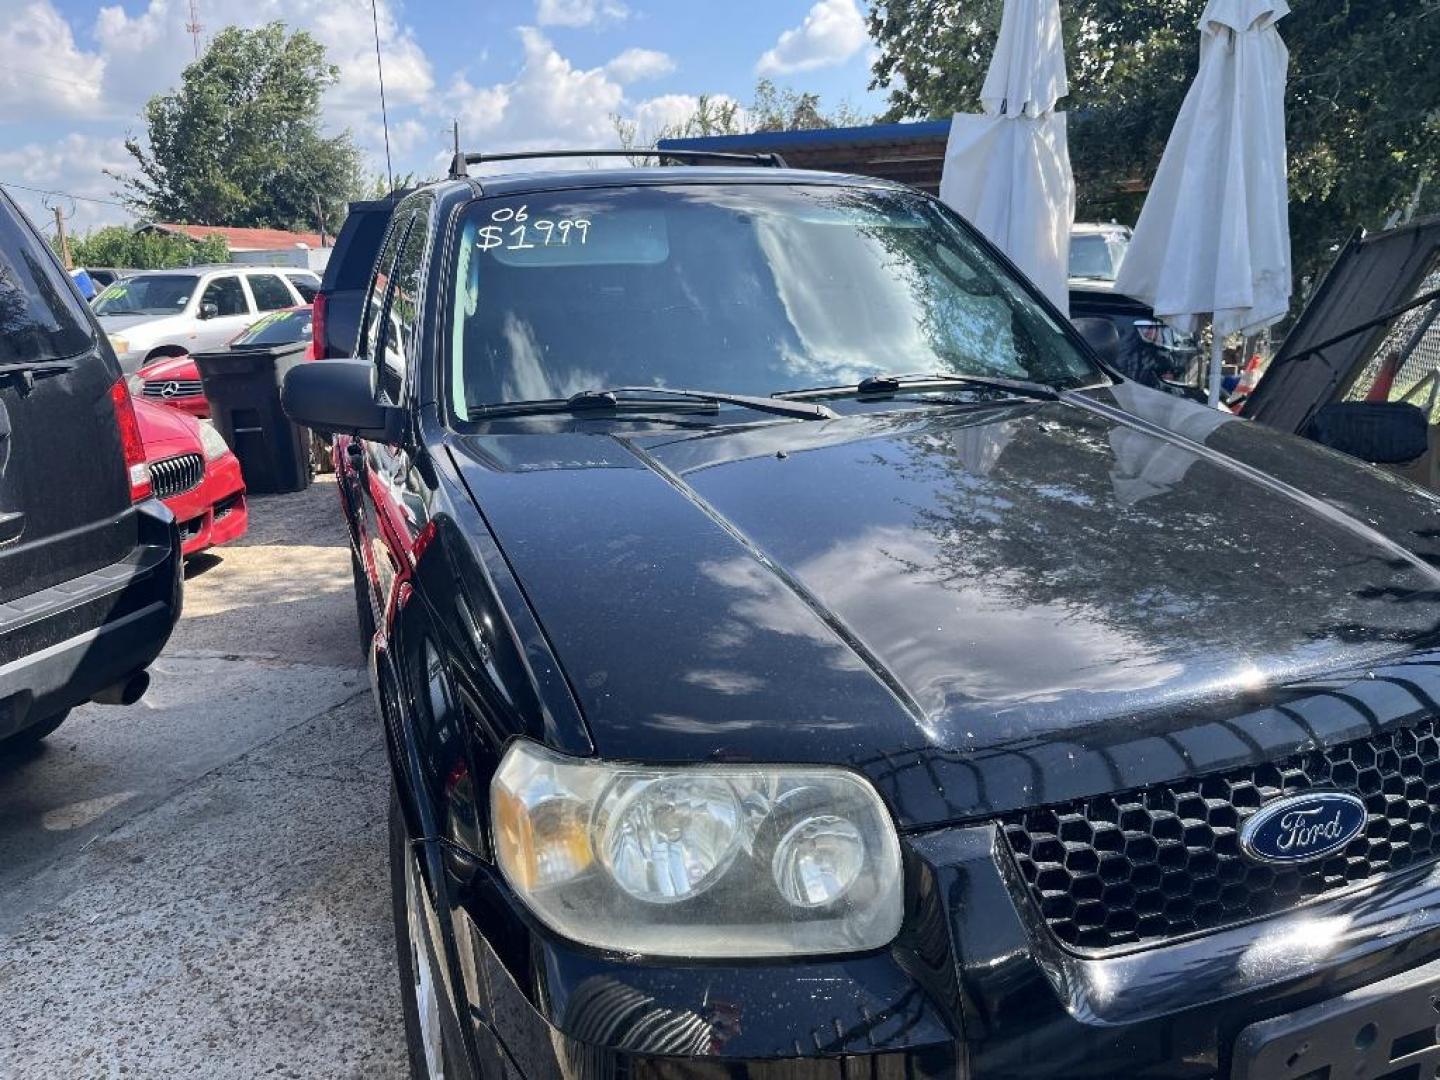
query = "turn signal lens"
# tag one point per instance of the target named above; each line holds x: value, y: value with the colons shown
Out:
x: 136, y: 469
x: 544, y: 843
x: 699, y: 861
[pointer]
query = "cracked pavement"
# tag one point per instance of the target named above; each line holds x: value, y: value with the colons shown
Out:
x: 197, y: 885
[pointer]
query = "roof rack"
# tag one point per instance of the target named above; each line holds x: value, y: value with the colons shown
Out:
x: 461, y: 162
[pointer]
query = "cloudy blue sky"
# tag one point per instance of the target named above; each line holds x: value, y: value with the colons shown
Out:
x: 74, y: 75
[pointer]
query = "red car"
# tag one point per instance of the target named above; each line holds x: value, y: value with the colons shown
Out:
x: 175, y: 381
x: 195, y: 475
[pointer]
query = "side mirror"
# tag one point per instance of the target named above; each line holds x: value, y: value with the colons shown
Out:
x: 1102, y: 337
x: 209, y: 310
x: 337, y: 397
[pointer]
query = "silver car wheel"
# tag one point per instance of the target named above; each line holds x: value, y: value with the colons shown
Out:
x: 427, y: 1000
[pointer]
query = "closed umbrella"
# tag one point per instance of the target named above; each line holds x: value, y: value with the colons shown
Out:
x: 1214, y: 235
x: 1007, y: 170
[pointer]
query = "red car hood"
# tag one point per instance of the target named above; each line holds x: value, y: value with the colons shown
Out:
x: 166, y: 432
x: 170, y: 367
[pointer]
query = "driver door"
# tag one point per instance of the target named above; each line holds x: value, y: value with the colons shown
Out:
x: 233, y: 313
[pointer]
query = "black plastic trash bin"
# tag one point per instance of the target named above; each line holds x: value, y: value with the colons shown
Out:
x: 243, y: 387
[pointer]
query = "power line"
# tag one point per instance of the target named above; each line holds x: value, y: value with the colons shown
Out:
x: 55, y: 78
x: 67, y: 194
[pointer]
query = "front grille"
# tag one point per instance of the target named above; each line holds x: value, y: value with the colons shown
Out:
x: 175, y: 475
x: 172, y: 388
x: 1146, y: 865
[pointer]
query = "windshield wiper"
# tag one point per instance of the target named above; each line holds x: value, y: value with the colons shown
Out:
x: 650, y: 398
x: 886, y: 385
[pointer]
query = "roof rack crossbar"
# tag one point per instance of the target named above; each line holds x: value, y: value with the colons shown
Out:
x: 461, y: 162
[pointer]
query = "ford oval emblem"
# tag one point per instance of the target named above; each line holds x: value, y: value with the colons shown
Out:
x: 1303, y: 827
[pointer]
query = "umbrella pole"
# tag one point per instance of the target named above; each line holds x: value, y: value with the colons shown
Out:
x: 1217, y: 350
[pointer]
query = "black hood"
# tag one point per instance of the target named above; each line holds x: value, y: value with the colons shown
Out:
x: 981, y: 608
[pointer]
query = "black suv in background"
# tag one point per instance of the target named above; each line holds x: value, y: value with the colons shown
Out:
x: 336, y: 307
x: 90, y: 581
x: 800, y: 658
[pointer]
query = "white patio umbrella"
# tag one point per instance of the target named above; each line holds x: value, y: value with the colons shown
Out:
x: 1214, y: 234
x: 1007, y: 170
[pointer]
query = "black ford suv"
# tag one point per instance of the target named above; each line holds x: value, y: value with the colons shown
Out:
x: 800, y: 658
x: 90, y: 579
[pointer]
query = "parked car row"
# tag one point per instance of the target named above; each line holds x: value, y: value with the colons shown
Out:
x: 797, y: 647
x: 168, y: 313
x: 100, y: 503
x: 90, y: 557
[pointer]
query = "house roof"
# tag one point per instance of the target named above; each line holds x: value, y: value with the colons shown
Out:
x: 240, y: 239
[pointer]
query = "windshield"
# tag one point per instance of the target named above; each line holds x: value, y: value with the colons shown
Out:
x: 752, y: 289
x: 277, y: 328
x: 1093, y: 255
x: 157, y: 294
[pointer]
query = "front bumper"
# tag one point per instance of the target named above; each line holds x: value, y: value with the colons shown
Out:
x: 974, y: 987
x: 61, y: 645
x: 214, y: 511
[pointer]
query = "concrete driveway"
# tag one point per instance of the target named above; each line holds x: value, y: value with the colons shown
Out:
x: 196, y: 885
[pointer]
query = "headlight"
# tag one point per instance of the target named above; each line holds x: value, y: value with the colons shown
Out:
x: 119, y: 344
x: 135, y: 384
x: 700, y: 861
x: 213, y: 442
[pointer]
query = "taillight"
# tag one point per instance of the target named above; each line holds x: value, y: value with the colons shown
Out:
x: 317, y: 328
x: 136, y: 469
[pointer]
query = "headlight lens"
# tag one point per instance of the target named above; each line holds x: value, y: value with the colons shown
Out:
x: 701, y: 861
x: 135, y: 384
x: 213, y: 442
x: 818, y: 860
x: 668, y: 838
x: 119, y: 344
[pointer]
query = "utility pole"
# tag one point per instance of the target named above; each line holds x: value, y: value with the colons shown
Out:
x: 64, y: 240
x: 320, y: 218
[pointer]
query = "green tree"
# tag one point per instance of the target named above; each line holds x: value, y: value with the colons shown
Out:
x: 240, y: 141
x: 783, y: 109
x: 378, y: 185
x: 1361, y: 109
x: 772, y: 109
x: 118, y: 245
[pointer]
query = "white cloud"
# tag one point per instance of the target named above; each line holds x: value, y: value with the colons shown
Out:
x: 579, y: 12
x: 43, y: 72
x: 552, y: 104
x: 146, y: 52
x: 549, y: 103
x: 633, y: 65
x: 73, y: 164
x: 832, y: 32
x: 139, y: 48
